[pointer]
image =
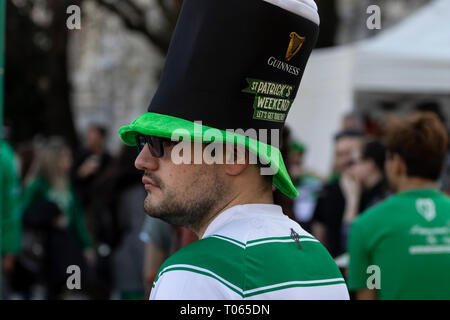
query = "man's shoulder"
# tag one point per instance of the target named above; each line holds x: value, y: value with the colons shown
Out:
x: 202, y: 251
x: 216, y: 255
x: 211, y: 268
x: 255, y: 256
x: 444, y: 199
x: 237, y: 239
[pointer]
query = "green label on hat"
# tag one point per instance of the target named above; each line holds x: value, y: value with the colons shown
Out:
x: 272, y: 101
x: 269, y: 115
x: 272, y: 104
x: 268, y: 88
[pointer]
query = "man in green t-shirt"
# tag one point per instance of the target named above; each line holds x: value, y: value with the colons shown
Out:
x: 400, y: 249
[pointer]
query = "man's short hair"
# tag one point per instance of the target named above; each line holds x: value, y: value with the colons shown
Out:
x: 376, y: 151
x: 100, y: 129
x: 348, y: 134
x: 421, y: 140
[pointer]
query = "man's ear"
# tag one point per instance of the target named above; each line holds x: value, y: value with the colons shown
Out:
x: 400, y: 165
x: 236, y: 161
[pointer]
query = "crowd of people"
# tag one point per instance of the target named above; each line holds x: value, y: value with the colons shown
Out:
x: 407, y: 156
x: 85, y: 208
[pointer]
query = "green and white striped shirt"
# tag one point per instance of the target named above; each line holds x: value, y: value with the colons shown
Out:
x: 251, y: 251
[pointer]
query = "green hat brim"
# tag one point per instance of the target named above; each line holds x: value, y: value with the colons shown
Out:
x: 155, y: 124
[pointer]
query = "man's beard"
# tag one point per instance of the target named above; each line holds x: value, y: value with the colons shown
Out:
x: 193, y: 211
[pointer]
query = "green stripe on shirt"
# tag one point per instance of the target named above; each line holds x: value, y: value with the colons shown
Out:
x: 256, y: 291
x: 261, y: 265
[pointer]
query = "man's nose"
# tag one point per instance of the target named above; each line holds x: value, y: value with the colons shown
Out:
x: 145, y: 161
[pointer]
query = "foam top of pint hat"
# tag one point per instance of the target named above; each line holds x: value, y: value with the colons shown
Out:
x: 304, y: 8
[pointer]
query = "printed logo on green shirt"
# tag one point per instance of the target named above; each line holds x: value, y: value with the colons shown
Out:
x: 426, y: 208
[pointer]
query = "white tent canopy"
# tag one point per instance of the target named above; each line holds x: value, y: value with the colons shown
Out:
x: 413, y: 56
x: 325, y: 95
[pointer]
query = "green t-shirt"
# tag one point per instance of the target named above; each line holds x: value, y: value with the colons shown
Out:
x: 408, y: 238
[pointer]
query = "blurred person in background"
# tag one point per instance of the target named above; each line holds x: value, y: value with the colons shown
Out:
x: 407, y: 236
x: 52, y: 208
x: 307, y: 184
x: 10, y: 214
x: 352, y: 121
x: 346, y: 144
x: 90, y: 163
x: 26, y: 155
x: 365, y: 184
x: 331, y: 205
x: 159, y: 238
x: 119, y: 199
x: 161, y: 241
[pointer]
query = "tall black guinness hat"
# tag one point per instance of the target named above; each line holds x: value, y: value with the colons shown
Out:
x: 234, y: 64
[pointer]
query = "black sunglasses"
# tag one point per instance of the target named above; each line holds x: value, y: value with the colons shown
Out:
x: 155, y: 144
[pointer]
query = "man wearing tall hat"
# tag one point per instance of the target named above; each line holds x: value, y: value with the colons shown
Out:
x: 209, y: 154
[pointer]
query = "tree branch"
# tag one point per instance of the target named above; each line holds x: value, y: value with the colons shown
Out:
x: 168, y: 13
x: 134, y: 19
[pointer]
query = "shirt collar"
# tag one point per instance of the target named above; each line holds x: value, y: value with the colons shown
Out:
x: 239, y: 212
x: 420, y: 192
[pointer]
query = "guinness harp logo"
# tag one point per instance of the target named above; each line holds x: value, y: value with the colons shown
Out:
x: 294, y: 45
